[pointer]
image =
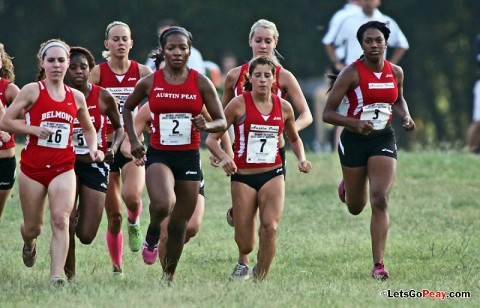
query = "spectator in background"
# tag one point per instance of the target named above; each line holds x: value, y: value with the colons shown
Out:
x: 474, y: 129
x: 336, y: 53
x: 347, y: 33
x: 213, y: 71
x: 195, y: 60
x: 346, y: 37
x: 229, y: 61
x: 473, y: 136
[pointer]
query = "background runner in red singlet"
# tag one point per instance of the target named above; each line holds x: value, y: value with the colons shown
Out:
x: 8, y: 164
x: 119, y: 75
x: 92, y: 177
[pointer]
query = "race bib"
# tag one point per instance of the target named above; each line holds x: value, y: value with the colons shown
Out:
x: 378, y: 113
x: 78, y: 141
x: 59, y: 138
x: 262, y: 147
x: 121, y: 99
x: 121, y: 103
x: 175, y: 128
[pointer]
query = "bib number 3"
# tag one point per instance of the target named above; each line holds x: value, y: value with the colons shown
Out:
x: 378, y: 113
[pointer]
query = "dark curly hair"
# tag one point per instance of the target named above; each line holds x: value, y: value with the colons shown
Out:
x: 77, y: 50
x: 381, y: 26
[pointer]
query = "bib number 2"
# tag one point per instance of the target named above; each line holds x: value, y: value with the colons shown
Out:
x: 175, y: 128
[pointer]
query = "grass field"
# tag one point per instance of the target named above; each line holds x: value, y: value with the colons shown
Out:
x: 323, y: 255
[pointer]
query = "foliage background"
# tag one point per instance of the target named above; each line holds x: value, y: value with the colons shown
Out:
x: 440, y: 67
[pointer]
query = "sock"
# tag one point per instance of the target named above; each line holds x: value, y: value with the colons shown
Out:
x: 153, y: 236
x: 132, y: 216
x: 115, y: 247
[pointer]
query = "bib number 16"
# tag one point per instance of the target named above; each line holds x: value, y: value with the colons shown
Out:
x: 59, y: 138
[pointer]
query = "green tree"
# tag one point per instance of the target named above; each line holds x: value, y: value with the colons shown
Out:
x: 439, y: 67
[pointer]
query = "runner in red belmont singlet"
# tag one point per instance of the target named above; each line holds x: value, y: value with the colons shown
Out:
x: 47, y: 161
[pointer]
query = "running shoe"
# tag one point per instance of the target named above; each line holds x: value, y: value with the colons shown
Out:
x: 70, y: 275
x: 134, y: 236
x: 254, y: 273
x: 230, y: 216
x: 117, y: 272
x: 29, y: 256
x: 341, y: 191
x: 168, y: 279
x: 379, y: 272
x: 149, y: 253
x: 240, y: 272
x: 57, y: 282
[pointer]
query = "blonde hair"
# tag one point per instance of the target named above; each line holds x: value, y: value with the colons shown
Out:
x: 41, y: 53
x: 7, y: 65
x: 263, y: 23
x: 106, y: 53
x: 267, y: 25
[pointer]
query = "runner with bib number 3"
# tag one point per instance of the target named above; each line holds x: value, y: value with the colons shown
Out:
x: 367, y: 146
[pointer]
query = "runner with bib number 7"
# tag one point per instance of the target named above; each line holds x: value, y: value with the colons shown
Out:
x: 257, y: 176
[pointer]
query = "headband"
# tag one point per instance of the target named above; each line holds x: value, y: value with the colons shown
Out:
x: 53, y: 44
x: 173, y: 30
x: 113, y: 24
